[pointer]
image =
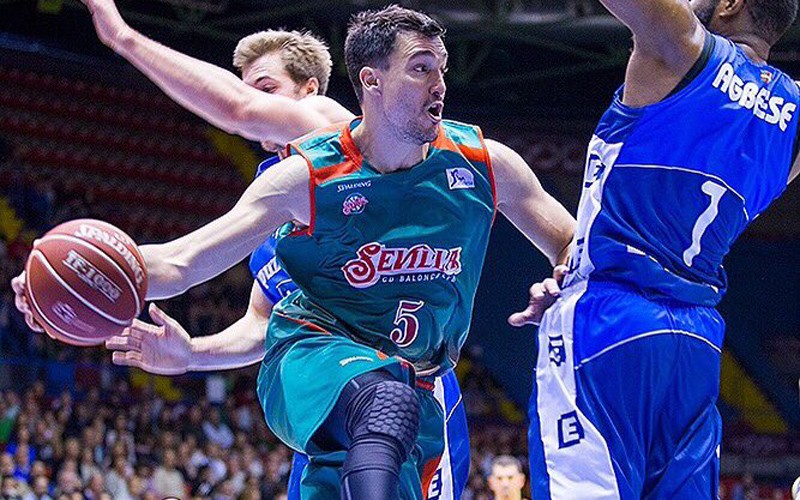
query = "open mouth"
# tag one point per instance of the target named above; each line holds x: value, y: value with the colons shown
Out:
x: 435, y: 110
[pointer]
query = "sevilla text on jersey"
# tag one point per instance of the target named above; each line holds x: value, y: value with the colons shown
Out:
x: 376, y: 260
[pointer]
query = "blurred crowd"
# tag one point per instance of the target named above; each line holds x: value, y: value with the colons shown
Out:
x: 72, y: 426
x: 129, y: 443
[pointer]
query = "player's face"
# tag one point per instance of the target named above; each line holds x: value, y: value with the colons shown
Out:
x: 506, y: 480
x: 268, y: 74
x: 704, y: 10
x: 413, y: 88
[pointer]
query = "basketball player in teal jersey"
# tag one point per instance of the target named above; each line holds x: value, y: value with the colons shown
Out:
x: 278, y: 65
x: 395, y: 211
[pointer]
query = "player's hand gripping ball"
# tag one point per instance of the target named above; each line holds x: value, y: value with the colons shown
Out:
x: 85, y: 282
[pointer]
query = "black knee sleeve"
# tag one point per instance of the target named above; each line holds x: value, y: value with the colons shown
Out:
x: 388, y: 408
x: 383, y: 422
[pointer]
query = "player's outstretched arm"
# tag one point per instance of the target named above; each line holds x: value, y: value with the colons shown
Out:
x: 667, y: 29
x: 521, y: 198
x: 279, y: 195
x: 165, y: 348
x: 214, y: 94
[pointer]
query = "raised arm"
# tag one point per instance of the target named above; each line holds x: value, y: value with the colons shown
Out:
x: 667, y: 40
x: 279, y: 195
x: 521, y: 198
x: 166, y: 348
x: 668, y: 29
x: 216, y: 95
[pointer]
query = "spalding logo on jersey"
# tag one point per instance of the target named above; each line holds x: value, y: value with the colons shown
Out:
x: 765, y: 106
x: 375, y: 260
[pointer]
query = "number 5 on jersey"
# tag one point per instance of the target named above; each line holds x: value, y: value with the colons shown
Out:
x: 406, y: 322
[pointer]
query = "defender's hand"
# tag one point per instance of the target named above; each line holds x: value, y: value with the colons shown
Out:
x: 542, y: 296
x: 108, y: 22
x: 163, y: 349
x: 21, y: 302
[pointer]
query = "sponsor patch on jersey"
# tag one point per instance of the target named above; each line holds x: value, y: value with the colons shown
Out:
x: 374, y: 261
x: 766, y: 76
x: 354, y: 204
x: 347, y: 361
x: 353, y: 185
x: 460, y: 178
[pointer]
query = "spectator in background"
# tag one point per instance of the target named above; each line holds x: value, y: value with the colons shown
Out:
x: 6, y: 465
x: 506, y: 479
x: 12, y: 489
x: 41, y: 488
x: 94, y: 488
x: 117, y: 479
x: 167, y: 480
x: 217, y: 431
x: 22, y: 463
x: 68, y: 481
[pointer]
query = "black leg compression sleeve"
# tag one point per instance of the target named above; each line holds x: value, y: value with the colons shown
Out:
x: 382, y: 421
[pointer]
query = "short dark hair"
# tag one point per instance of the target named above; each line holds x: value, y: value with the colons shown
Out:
x: 772, y: 18
x: 505, y: 461
x: 371, y: 37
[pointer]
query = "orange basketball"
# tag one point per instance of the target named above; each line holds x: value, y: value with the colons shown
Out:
x: 86, y: 281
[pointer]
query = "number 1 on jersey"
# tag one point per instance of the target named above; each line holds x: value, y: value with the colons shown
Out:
x: 407, y: 324
x: 715, y: 191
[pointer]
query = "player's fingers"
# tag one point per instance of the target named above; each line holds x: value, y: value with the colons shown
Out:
x: 18, y: 283
x: 124, y: 343
x: 139, y: 329
x: 551, y: 287
x: 129, y: 358
x: 522, y: 318
x: 559, y: 272
x: 537, y: 291
x: 21, y: 303
x: 32, y: 324
x: 159, y: 317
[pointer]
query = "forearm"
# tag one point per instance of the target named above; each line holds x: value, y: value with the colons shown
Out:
x: 165, y: 274
x: 214, y: 94
x: 239, y: 345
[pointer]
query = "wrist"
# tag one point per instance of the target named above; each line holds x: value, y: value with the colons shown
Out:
x: 195, y: 354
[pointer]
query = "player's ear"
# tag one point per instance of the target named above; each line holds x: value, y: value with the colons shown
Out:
x: 311, y: 87
x: 730, y: 8
x: 369, y: 79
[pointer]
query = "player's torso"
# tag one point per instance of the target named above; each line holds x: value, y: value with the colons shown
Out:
x: 669, y: 187
x: 396, y: 257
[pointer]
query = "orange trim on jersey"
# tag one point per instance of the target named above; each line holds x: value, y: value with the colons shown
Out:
x: 349, y: 146
x: 427, y: 474
x: 488, y: 162
x: 325, y: 174
x: 472, y: 154
x: 312, y: 326
x: 323, y: 130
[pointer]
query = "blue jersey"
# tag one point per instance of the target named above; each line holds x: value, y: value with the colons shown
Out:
x: 669, y: 187
x: 264, y: 266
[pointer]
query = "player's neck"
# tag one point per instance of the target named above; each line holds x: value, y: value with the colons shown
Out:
x: 383, y: 150
x: 756, y: 48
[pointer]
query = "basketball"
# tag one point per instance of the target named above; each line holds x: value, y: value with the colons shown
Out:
x: 86, y: 281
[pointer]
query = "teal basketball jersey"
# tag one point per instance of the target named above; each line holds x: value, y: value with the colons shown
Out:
x: 395, y: 258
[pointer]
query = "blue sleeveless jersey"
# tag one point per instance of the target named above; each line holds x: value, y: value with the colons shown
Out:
x: 669, y: 187
x: 264, y: 266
